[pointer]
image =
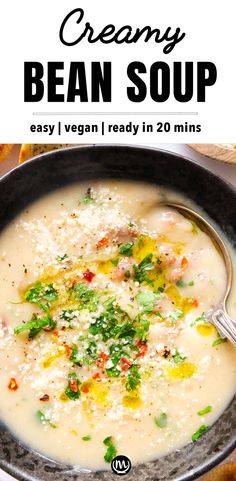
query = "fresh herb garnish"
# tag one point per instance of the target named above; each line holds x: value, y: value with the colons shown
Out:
x: 86, y: 438
x: 218, y: 341
x: 36, y: 324
x: 142, y: 328
x: 87, y: 353
x: 68, y: 315
x: 41, y: 416
x: 87, y: 297
x: 204, y: 411
x: 141, y: 270
x: 176, y: 315
x: 127, y: 249
x: 203, y: 428
x: 201, y: 318
x: 178, y: 358
x: 182, y: 283
x: 62, y: 258
x: 133, y: 378
x: 91, y: 350
x: 112, y: 372
x: 147, y: 300
x: 111, y: 451
x: 161, y: 421
x: 115, y: 262
x: 76, y: 357
x: 41, y: 292
x: 113, y: 323
x: 88, y: 199
x: 72, y: 391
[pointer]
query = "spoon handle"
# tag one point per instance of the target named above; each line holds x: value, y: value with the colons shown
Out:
x: 225, y: 324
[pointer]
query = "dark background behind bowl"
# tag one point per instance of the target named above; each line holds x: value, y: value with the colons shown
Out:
x: 45, y: 173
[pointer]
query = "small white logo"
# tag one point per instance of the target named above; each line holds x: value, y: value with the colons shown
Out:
x: 121, y: 465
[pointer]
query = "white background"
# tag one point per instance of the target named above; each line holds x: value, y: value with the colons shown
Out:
x: 29, y: 32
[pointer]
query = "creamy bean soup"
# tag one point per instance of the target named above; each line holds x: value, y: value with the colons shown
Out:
x: 105, y: 345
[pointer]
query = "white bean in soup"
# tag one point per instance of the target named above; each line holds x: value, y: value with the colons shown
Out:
x: 105, y: 348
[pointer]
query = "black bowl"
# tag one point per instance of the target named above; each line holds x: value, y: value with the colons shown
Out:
x: 50, y: 171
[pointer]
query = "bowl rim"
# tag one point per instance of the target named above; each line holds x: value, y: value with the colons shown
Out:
x: 214, y: 459
x: 130, y: 147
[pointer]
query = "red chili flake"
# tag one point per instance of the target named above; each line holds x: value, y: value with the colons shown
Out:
x: 47, y: 328
x: 56, y: 333
x: 184, y: 262
x: 85, y: 389
x: 142, y: 347
x: 13, y: 386
x: 68, y: 350
x: 103, y: 242
x: 102, y: 359
x: 88, y: 275
x: 195, y: 303
x: 97, y: 377
x: 73, y: 385
x: 45, y: 397
x: 125, y: 363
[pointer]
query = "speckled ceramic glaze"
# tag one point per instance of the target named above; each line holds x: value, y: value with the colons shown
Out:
x: 47, y: 172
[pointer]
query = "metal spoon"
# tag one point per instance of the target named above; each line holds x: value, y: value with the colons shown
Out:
x: 218, y: 316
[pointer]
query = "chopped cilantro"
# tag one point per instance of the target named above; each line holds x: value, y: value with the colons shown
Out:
x: 72, y: 391
x: 176, y: 315
x: 142, y: 328
x: 141, y: 270
x: 88, y: 198
x: 41, y: 416
x: 203, y: 428
x: 113, y: 323
x: 161, y: 421
x: 201, y: 318
x: 68, y: 315
x: 111, y: 451
x: 36, y: 325
x: 178, y: 358
x: 127, y: 274
x: 92, y: 350
x: 218, y: 341
x: 127, y: 249
x: 147, y: 299
x: 133, y: 378
x: 204, y: 411
x: 113, y: 372
x: 116, y: 352
x: 182, y: 283
x: 62, y: 258
x: 87, y: 297
x: 76, y: 358
x: 41, y: 292
x: 86, y: 438
x: 87, y: 353
x: 115, y: 262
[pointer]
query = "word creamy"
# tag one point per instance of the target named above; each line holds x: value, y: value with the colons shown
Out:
x: 109, y: 33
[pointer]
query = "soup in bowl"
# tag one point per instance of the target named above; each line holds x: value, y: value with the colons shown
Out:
x: 106, y: 348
